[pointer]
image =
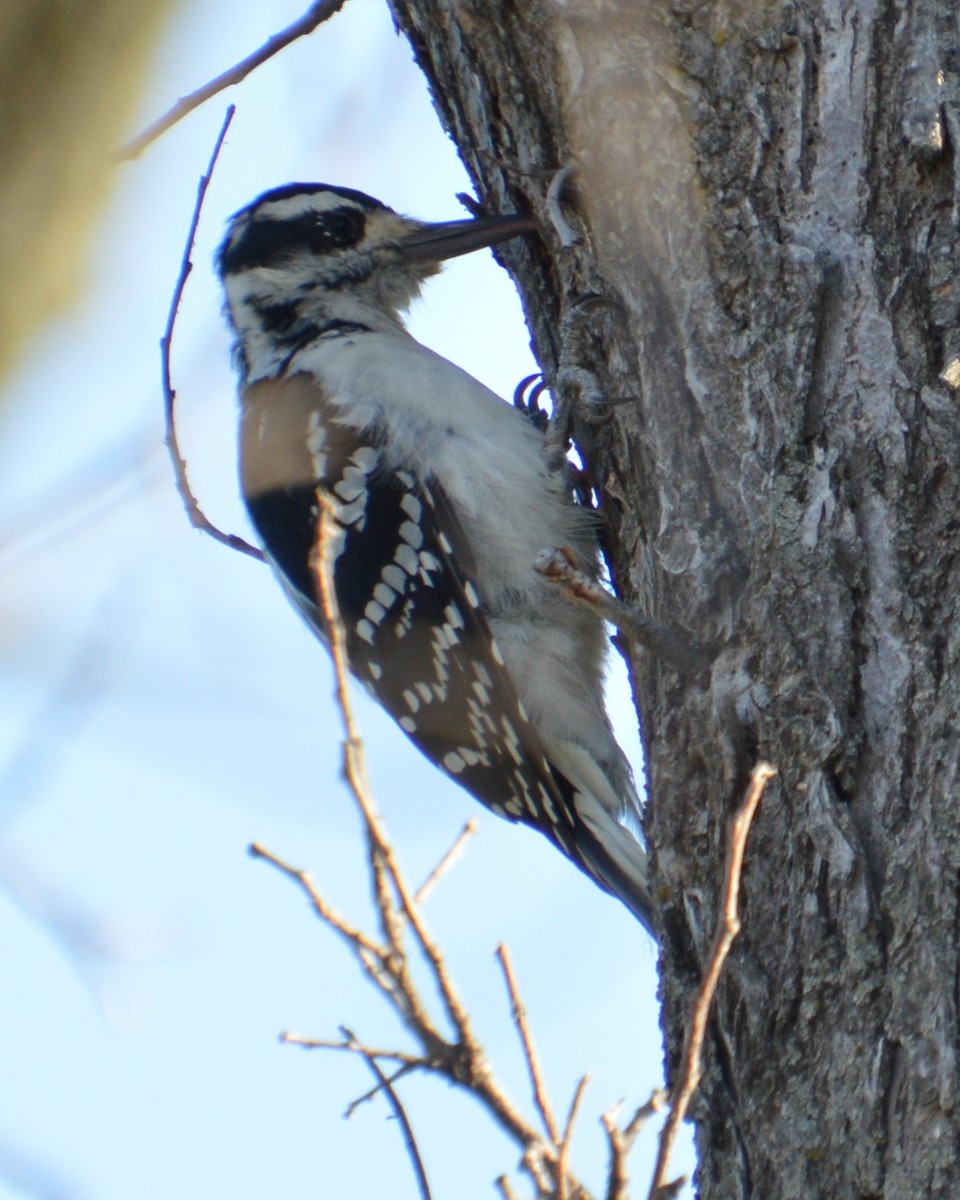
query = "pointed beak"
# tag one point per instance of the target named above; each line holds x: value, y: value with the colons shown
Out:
x: 448, y: 239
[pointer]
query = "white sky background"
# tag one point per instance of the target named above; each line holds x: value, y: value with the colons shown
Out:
x: 161, y: 706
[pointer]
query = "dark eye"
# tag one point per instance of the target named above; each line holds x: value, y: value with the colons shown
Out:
x: 267, y: 243
x: 338, y: 228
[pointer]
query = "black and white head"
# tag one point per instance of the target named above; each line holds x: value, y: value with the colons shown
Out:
x: 303, y: 255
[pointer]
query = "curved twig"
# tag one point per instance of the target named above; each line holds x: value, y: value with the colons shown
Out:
x: 196, y: 514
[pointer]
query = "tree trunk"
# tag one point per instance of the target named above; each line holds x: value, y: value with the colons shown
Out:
x: 768, y: 203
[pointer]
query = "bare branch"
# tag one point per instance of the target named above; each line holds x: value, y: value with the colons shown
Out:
x: 462, y: 1059
x: 408, y: 1136
x: 728, y: 926
x: 194, y: 511
x: 449, y: 860
x: 526, y: 1040
x: 315, y: 15
x: 465, y: 1063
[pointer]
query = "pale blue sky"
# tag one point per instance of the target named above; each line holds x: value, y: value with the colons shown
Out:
x: 161, y: 707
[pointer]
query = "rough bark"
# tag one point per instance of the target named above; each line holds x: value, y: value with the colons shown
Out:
x: 768, y: 198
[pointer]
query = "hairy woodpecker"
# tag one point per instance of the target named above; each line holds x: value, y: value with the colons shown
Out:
x: 443, y: 499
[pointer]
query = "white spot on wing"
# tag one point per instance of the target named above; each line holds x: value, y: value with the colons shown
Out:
x: 384, y: 595
x: 374, y: 612
x: 453, y: 762
x: 350, y: 489
x: 348, y: 513
x: 511, y: 740
x: 454, y: 616
x: 412, y: 507
x: 412, y: 534
x: 394, y: 577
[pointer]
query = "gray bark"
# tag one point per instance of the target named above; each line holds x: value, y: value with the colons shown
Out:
x: 768, y: 198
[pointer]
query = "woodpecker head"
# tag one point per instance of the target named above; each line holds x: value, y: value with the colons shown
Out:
x: 308, y: 253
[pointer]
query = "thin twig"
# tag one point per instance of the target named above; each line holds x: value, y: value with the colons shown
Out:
x: 385, y: 969
x: 194, y: 511
x: 563, y: 1154
x: 408, y: 1136
x: 448, y: 860
x: 664, y: 641
x: 378, y: 1088
x: 327, y: 913
x: 409, y: 1062
x: 617, y: 1173
x: 503, y: 1185
x: 728, y: 926
x: 315, y: 15
x: 526, y: 1041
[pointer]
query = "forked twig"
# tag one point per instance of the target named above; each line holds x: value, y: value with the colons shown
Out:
x: 315, y: 15
x: 728, y: 926
x: 197, y: 517
x: 637, y: 1123
x: 460, y: 1059
x: 357, y: 939
x: 464, y: 1061
x: 368, y: 1095
x: 385, y: 1085
x: 620, y: 1141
